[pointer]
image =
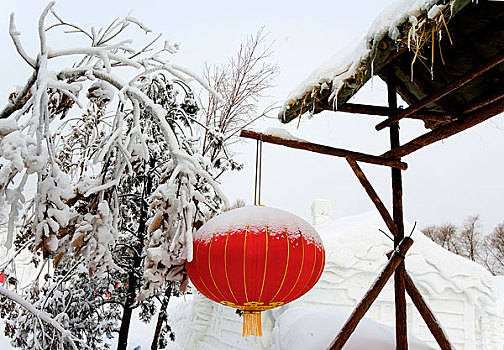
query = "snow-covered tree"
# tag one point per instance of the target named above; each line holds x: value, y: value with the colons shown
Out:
x: 125, y: 166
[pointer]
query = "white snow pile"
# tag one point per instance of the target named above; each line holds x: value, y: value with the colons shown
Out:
x: 354, y: 246
x: 282, y: 133
x: 348, y: 62
x: 301, y: 328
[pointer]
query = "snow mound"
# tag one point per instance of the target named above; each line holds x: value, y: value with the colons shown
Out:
x: 301, y: 328
x: 354, y: 246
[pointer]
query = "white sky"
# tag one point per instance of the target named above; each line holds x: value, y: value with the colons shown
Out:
x: 444, y: 183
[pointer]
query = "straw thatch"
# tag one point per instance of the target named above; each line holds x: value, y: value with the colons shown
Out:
x: 427, y: 53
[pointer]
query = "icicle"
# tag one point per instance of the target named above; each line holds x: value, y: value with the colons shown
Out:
x: 252, y: 324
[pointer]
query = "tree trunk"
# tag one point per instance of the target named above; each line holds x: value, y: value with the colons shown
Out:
x: 161, y: 317
x: 122, y: 342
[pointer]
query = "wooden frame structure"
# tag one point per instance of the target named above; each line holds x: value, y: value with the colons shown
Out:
x: 478, y: 84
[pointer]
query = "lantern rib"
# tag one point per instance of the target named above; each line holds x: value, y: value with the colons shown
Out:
x: 199, y: 274
x: 311, y: 274
x: 265, y: 264
x: 210, y: 267
x: 300, y: 271
x: 244, y: 259
x: 225, y: 266
x: 286, y: 266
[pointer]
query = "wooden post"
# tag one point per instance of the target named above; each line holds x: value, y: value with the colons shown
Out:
x: 371, y: 295
x: 374, y: 197
x: 399, y: 284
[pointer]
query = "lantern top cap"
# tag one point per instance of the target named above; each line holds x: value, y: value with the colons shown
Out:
x: 276, y: 220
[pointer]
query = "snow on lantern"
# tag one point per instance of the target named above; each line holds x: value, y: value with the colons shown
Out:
x: 254, y: 259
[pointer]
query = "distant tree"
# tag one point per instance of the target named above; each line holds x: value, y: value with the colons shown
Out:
x: 445, y: 235
x: 241, y: 82
x: 469, y: 242
x: 494, y: 248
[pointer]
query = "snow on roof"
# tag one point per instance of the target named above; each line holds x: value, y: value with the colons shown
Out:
x: 354, y: 245
x: 350, y: 66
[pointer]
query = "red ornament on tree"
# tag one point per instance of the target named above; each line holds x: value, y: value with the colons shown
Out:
x: 254, y: 259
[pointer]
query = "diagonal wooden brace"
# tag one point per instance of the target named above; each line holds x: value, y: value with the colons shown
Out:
x: 371, y: 295
x: 427, y: 315
x: 374, y: 196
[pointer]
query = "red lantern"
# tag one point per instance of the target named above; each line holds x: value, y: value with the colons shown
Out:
x: 254, y: 259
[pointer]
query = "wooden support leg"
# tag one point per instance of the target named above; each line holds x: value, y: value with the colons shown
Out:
x: 371, y: 295
x: 427, y: 315
x: 399, y: 284
x: 374, y: 197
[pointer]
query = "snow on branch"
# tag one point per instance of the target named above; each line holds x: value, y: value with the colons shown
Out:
x: 80, y: 167
x: 41, y: 315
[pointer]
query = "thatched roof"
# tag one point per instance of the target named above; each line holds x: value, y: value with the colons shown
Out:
x: 437, y: 41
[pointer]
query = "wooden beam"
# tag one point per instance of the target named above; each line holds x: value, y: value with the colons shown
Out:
x: 473, y: 73
x: 371, y: 295
x: 384, y: 111
x: 374, y: 197
x: 427, y: 315
x: 399, y: 286
x: 485, y: 100
x: 462, y: 123
x: 419, y: 84
x: 313, y: 147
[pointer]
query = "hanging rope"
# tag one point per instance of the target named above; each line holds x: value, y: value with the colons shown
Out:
x: 258, y: 170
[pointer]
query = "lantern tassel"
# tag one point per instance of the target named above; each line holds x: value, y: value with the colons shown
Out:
x: 252, y: 324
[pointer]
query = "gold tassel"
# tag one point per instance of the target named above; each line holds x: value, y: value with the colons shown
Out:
x: 252, y: 323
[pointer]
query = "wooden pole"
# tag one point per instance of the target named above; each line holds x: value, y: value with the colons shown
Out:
x: 399, y: 285
x: 374, y: 197
x: 371, y: 295
x: 313, y: 147
x: 466, y: 121
x: 473, y: 73
x: 385, y: 111
x: 485, y: 101
x: 427, y: 315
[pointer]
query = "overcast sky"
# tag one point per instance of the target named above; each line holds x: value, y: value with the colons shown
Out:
x: 445, y: 182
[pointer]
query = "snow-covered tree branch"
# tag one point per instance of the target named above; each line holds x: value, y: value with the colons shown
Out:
x: 125, y: 160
